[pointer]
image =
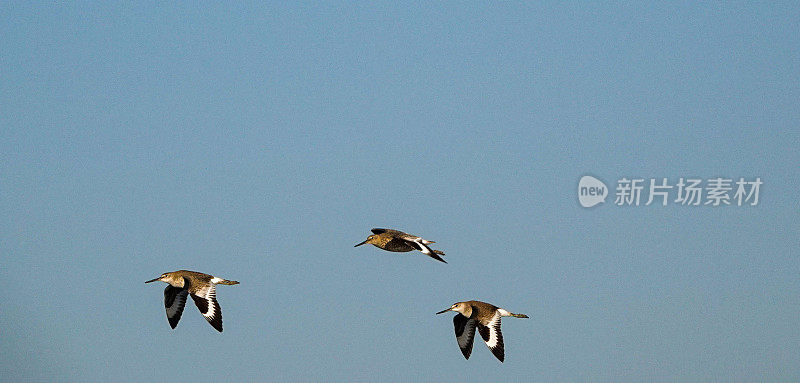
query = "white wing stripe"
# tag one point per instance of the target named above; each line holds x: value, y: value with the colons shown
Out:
x: 210, y: 297
x: 493, y: 325
x: 425, y: 249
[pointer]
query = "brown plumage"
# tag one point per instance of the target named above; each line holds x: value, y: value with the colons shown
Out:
x: 201, y: 287
x: 486, y: 318
x: 398, y: 241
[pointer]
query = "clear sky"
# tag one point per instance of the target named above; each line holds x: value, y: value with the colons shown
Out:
x: 261, y: 142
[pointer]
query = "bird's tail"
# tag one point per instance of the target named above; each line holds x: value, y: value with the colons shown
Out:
x: 438, y: 252
x: 221, y: 281
x: 505, y: 313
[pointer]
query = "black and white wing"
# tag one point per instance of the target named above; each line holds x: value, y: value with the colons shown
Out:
x: 174, y: 302
x: 206, y: 301
x: 417, y: 243
x: 493, y: 337
x: 465, y: 333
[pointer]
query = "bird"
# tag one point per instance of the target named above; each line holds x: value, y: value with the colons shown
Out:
x: 398, y: 241
x: 484, y: 316
x: 201, y: 287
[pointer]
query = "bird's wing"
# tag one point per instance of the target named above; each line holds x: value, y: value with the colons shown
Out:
x: 174, y: 302
x: 465, y: 333
x: 417, y: 244
x: 206, y: 301
x: 493, y: 337
x: 378, y: 230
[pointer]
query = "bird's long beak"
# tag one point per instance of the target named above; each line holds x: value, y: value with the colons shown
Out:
x: 153, y: 280
x: 444, y: 311
x: 365, y: 241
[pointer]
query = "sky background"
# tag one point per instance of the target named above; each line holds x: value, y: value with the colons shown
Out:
x: 260, y: 142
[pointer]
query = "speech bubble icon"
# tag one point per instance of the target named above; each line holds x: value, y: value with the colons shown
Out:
x: 591, y: 191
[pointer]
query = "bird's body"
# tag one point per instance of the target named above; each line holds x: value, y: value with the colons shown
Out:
x: 201, y: 287
x: 486, y: 318
x: 398, y: 241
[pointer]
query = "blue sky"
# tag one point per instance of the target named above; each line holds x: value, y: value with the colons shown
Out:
x: 261, y: 142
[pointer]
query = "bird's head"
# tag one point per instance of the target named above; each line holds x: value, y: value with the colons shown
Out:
x: 460, y: 307
x: 161, y: 278
x: 372, y: 239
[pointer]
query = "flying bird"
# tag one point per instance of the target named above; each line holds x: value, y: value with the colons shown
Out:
x: 486, y: 318
x: 201, y: 287
x: 398, y: 241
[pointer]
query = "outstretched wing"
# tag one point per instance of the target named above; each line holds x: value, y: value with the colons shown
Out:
x: 206, y: 301
x: 493, y: 337
x: 465, y: 333
x: 174, y: 302
x: 419, y: 245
